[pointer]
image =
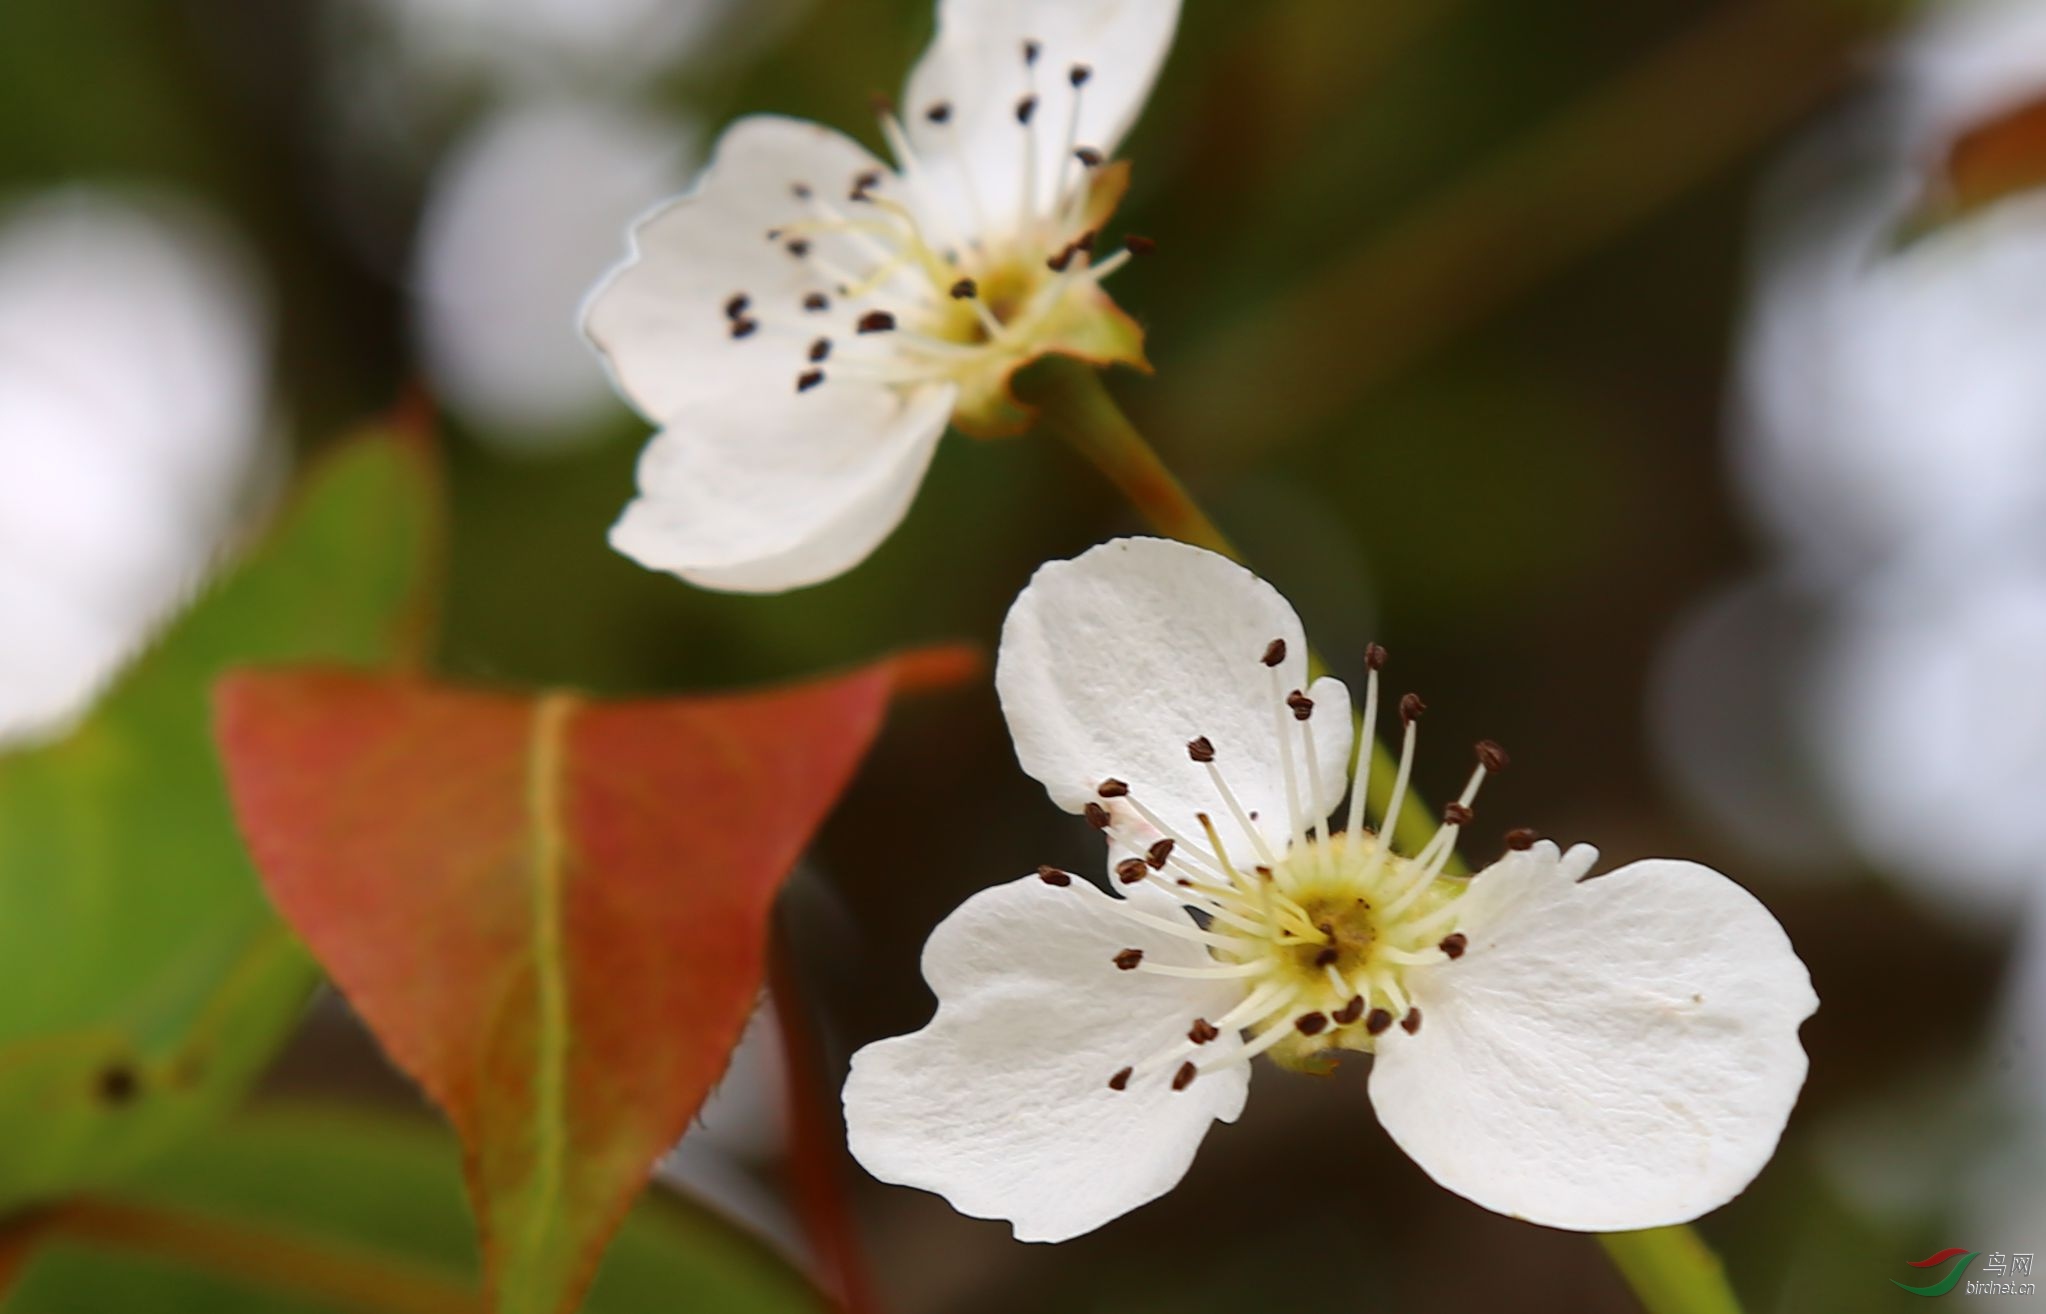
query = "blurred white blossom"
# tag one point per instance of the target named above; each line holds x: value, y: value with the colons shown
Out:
x: 1889, y: 436
x: 1889, y: 390
x: 523, y: 216
x: 546, y: 43
x: 1891, y: 396
x: 133, y: 350
x: 1928, y: 707
x: 1967, y: 61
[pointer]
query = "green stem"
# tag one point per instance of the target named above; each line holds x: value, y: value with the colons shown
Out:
x: 1072, y: 399
x: 348, y: 1277
x: 1670, y: 1269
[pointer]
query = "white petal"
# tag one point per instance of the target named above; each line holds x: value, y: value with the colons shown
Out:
x: 1112, y: 661
x: 1002, y: 1105
x: 750, y: 498
x: 660, y: 319
x: 1616, y: 1054
x: 975, y: 65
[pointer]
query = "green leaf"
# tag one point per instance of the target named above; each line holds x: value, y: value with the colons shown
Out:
x: 384, y: 1196
x: 144, y: 980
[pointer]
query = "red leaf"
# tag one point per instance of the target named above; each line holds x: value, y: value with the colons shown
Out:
x: 552, y: 912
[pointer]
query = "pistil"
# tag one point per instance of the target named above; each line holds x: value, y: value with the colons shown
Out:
x: 1322, y: 934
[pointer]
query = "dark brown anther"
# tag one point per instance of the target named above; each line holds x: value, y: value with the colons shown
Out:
x: 883, y: 103
x: 1492, y: 757
x: 1184, y: 881
x: 876, y: 321
x: 1521, y: 838
x: 939, y: 112
x: 820, y: 349
x: 798, y: 248
x: 1351, y: 1011
x: 965, y: 290
x: 1200, y: 750
x: 1302, y: 705
x: 1159, y: 854
x: 1377, y: 1022
x: 1275, y: 652
x: 1031, y: 50
x: 1085, y: 242
x: 1411, y: 708
x: 743, y: 328
x: 1455, y: 943
x: 868, y: 181
x: 1184, y: 1077
x: 1131, y: 870
x: 1456, y: 814
x: 1053, y: 876
x: 1128, y: 959
x: 1060, y: 261
x: 736, y: 307
x: 801, y: 191
x: 1089, y: 157
x: 1026, y: 109
x: 1327, y: 957
x: 816, y: 301
x: 1097, y: 816
x: 1139, y: 246
x: 1311, y: 1024
x: 1112, y: 788
x: 1264, y: 873
x: 809, y: 379
x: 1411, y: 1022
x: 1374, y: 657
x: 1078, y: 75
x: 1120, y: 1080
x: 1203, y: 1031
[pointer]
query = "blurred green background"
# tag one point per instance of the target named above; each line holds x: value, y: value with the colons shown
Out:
x: 1442, y: 317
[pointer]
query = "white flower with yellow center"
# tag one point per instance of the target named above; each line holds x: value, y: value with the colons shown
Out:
x: 1598, y: 1055
x: 804, y: 324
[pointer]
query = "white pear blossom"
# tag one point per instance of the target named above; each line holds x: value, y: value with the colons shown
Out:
x: 803, y: 324
x: 1601, y: 1054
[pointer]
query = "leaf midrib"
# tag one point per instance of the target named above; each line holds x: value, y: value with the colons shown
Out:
x: 546, y: 775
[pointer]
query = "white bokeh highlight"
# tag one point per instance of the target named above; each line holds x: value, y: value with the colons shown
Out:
x: 133, y: 355
x: 521, y: 218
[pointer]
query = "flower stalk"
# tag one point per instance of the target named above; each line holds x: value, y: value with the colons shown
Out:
x: 347, y: 1277
x: 1071, y: 398
x: 1074, y: 402
x: 1670, y: 1269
